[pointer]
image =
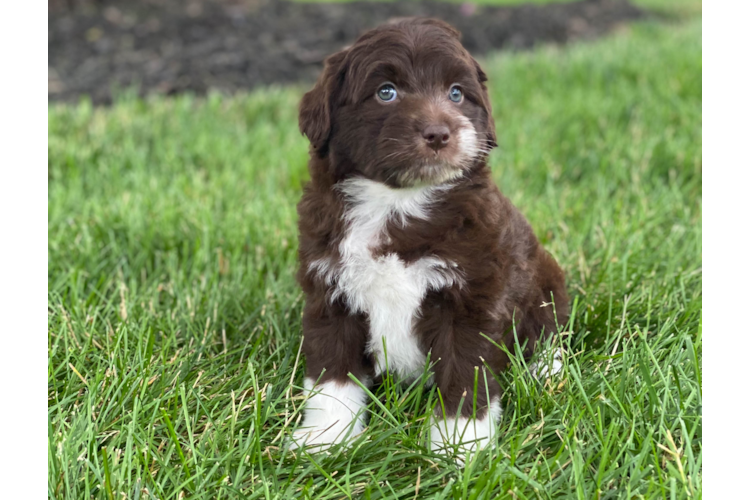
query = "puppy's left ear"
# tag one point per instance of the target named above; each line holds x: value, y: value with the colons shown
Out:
x: 482, y: 77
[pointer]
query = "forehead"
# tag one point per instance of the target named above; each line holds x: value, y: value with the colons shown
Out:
x: 415, y: 56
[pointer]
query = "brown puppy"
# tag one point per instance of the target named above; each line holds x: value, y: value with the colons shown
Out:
x: 407, y: 247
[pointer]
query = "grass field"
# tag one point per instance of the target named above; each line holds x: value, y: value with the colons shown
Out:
x: 174, y: 318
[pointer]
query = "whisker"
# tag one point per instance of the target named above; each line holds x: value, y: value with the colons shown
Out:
x: 394, y: 155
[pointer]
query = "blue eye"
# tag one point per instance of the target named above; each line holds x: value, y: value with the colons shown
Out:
x: 387, y: 93
x: 455, y: 94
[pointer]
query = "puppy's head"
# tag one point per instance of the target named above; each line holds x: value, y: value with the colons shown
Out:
x: 405, y: 104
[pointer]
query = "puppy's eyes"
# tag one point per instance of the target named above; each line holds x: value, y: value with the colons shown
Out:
x: 455, y: 94
x: 386, y: 93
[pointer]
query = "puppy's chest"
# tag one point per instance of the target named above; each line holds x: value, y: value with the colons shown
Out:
x: 389, y: 289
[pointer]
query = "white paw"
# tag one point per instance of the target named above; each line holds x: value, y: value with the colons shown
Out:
x: 465, y: 436
x: 549, y: 363
x: 334, y: 414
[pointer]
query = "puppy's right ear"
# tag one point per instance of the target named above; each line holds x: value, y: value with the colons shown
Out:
x: 316, y: 107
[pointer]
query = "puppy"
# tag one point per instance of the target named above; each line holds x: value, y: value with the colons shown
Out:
x: 406, y: 246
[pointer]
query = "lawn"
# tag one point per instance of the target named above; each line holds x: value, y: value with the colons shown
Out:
x: 174, y: 317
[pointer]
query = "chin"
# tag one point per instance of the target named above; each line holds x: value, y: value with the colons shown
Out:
x: 431, y: 174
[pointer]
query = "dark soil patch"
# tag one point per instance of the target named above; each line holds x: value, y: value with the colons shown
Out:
x: 171, y: 46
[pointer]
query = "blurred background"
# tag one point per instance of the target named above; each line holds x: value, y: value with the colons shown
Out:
x: 97, y: 47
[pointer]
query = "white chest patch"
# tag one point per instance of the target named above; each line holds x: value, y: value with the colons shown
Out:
x: 387, y: 289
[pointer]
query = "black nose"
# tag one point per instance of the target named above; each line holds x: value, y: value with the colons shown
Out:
x: 437, y: 136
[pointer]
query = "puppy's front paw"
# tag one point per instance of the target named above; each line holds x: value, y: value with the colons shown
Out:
x: 333, y: 415
x: 465, y: 436
x: 548, y: 365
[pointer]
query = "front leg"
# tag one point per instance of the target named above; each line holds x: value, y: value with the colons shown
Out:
x: 460, y: 427
x: 334, y: 346
x: 465, y: 419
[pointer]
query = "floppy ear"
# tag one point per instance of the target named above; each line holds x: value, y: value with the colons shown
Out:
x: 315, y: 108
x: 482, y: 77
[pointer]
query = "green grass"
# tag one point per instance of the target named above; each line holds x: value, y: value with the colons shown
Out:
x: 174, y: 318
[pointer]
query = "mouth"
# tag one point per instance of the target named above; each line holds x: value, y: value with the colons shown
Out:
x: 443, y: 165
x: 408, y: 161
